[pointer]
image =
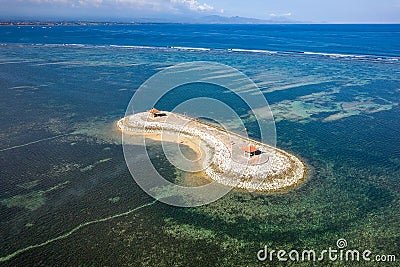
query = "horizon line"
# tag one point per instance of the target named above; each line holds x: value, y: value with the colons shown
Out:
x: 9, y: 22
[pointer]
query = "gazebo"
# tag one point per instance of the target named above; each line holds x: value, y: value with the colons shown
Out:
x: 251, y: 150
x: 156, y: 112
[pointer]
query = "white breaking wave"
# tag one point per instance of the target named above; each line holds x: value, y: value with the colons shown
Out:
x: 390, y: 59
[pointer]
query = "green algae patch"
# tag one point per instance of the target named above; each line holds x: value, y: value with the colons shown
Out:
x: 188, y: 231
x: 31, y: 201
x: 91, y: 166
x: 324, y: 106
x: 58, y: 186
x: 29, y: 185
x: 114, y: 199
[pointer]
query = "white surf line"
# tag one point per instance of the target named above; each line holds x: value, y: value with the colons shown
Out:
x: 12, y: 255
x: 34, y: 142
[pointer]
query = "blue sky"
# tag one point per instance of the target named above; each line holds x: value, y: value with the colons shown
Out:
x: 333, y: 11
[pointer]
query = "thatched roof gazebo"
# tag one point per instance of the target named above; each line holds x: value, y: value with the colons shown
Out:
x: 156, y: 112
x: 251, y: 150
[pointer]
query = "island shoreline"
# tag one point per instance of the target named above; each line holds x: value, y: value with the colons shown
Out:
x: 284, y: 172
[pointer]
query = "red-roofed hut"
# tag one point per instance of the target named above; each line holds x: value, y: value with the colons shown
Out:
x: 251, y: 150
x: 156, y: 112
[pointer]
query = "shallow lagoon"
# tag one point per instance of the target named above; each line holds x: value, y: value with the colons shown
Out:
x: 340, y: 115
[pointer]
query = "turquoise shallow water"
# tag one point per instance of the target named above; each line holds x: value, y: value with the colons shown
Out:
x: 340, y: 115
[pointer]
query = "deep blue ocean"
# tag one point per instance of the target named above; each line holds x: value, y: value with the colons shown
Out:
x: 360, y: 40
x: 334, y: 91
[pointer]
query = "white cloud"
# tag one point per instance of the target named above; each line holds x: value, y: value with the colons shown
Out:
x: 280, y: 15
x: 193, y: 5
x: 44, y: 1
x: 96, y: 3
x: 85, y: 2
x: 155, y: 5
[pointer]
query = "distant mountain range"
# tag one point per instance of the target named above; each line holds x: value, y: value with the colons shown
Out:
x: 214, y: 19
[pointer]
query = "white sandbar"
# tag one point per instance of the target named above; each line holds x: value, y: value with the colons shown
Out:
x: 225, y: 162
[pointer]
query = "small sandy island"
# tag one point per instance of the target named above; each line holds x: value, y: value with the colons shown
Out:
x: 226, y: 157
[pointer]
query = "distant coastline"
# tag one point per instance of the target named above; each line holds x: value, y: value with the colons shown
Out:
x: 212, y: 19
x: 61, y: 23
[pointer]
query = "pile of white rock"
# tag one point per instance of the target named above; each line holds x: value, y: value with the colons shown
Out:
x: 281, y: 170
